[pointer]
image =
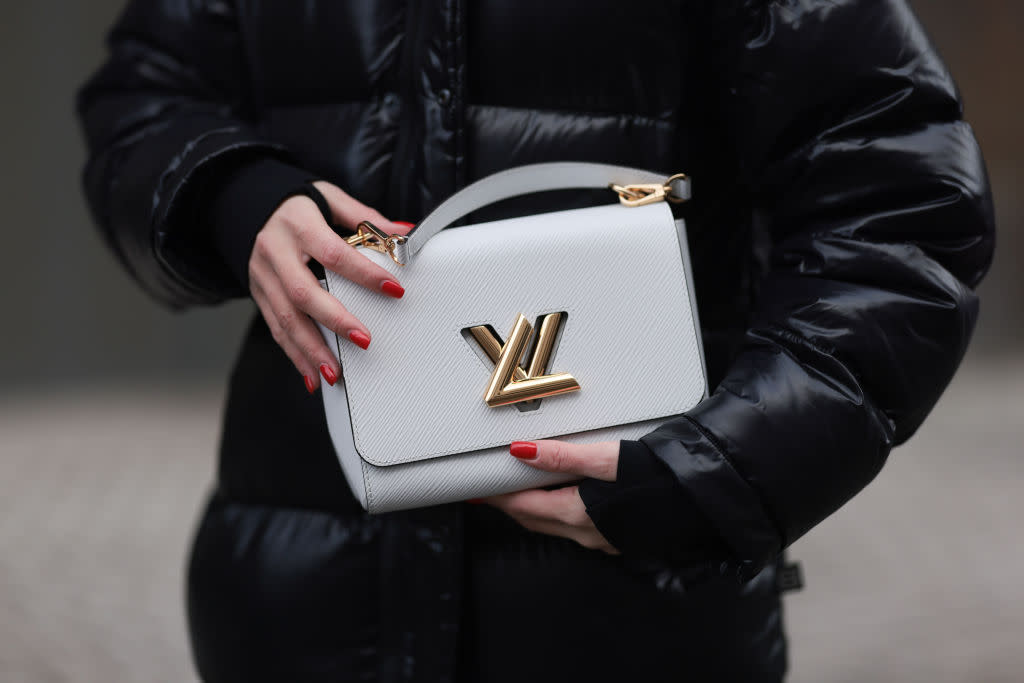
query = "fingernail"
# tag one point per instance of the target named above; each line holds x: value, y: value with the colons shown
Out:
x: 525, y: 450
x: 328, y: 372
x: 392, y: 288
x: 309, y: 383
x: 358, y: 338
x: 475, y: 501
x: 405, y: 223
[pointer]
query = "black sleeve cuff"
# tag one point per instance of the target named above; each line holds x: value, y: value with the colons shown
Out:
x: 245, y: 200
x: 646, y: 515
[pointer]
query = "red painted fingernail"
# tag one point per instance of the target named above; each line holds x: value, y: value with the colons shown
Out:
x: 309, y: 383
x: 526, y: 450
x: 392, y: 288
x: 405, y: 223
x: 328, y: 372
x: 475, y: 501
x: 359, y: 339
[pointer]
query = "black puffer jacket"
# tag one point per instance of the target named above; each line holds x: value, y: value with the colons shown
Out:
x: 841, y: 219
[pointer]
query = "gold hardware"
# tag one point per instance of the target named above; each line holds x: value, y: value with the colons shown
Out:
x: 549, y: 325
x: 492, y: 348
x: 509, y: 383
x: 640, y: 194
x: 370, y: 236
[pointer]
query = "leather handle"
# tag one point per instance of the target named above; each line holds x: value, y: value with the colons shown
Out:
x: 523, y: 180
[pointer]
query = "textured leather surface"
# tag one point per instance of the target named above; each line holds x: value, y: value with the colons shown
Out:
x: 526, y: 180
x: 441, y: 480
x: 584, y: 262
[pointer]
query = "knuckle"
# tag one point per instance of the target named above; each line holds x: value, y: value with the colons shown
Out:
x: 338, y: 322
x: 288, y: 321
x: 302, y: 230
x: 335, y: 252
x: 300, y: 293
x: 287, y: 214
x: 560, y: 458
x: 299, y: 225
x: 261, y: 247
x: 312, y: 350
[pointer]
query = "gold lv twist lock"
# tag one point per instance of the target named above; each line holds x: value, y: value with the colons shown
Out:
x: 511, y: 383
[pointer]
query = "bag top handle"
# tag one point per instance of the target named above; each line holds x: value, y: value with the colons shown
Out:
x: 523, y: 180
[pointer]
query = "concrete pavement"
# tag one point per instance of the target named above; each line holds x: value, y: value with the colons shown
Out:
x: 917, y: 579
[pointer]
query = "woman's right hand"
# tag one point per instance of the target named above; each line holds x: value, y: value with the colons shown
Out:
x: 288, y: 293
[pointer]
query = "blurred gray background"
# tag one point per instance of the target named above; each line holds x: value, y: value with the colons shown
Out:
x: 109, y: 408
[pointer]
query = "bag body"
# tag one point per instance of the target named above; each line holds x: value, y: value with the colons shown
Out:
x: 409, y: 420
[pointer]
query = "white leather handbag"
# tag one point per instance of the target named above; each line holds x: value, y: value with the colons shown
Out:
x: 579, y: 325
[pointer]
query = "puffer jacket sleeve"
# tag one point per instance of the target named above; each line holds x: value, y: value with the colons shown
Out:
x: 848, y: 134
x: 162, y: 117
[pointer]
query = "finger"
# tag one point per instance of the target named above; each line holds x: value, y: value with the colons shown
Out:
x: 349, y: 212
x: 289, y: 347
x: 299, y: 330
x: 306, y: 234
x: 556, y: 513
x: 282, y: 253
x: 277, y: 244
x: 596, y: 460
x: 309, y: 297
x: 324, y: 245
x: 562, y: 505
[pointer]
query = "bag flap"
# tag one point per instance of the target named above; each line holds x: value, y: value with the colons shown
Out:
x: 629, y: 339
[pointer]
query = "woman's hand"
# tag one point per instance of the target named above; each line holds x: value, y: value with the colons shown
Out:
x: 560, y: 512
x: 288, y: 293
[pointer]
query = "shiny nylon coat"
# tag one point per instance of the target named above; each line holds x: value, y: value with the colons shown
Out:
x: 841, y: 218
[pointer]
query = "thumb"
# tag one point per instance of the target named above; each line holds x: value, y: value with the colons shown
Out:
x: 595, y: 460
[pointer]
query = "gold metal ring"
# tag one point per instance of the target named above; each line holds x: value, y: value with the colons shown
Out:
x: 668, y: 188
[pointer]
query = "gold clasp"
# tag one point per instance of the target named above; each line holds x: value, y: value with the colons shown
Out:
x: 509, y: 383
x: 370, y: 236
x: 641, y: 194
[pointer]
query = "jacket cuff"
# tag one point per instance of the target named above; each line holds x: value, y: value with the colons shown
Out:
x: 646, y: 515
x: 244, y: 202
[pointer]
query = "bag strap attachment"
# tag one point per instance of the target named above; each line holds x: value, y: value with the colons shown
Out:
x: 633, y: 186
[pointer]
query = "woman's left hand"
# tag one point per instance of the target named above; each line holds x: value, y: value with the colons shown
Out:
x: 560, y: 512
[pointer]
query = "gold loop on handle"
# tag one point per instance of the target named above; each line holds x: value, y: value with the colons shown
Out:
x: 670, y: 191
x: 370, y: 236
x: 641, y: 194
